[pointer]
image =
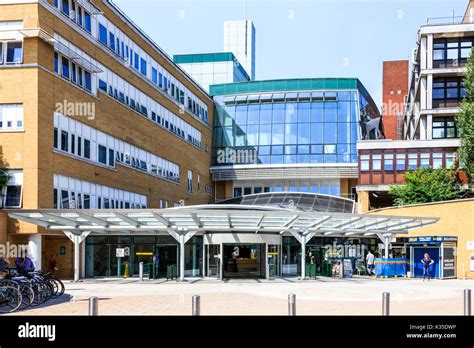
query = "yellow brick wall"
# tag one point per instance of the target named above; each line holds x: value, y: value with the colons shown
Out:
x: 456, y: 219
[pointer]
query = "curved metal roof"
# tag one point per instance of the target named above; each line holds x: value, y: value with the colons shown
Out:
x: 311, y: 202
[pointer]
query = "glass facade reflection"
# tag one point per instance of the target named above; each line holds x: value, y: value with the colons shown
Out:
x: 291, y: 127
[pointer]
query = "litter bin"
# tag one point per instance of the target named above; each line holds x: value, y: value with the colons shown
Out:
x: 311, y: 271
x: 171, y: 272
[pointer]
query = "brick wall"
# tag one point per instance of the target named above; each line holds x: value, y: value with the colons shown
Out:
x: 395, y: 88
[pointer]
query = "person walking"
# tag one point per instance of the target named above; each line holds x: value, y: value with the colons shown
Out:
x: 52, y: 263
x: 427, y: 262
x: 370, y: 262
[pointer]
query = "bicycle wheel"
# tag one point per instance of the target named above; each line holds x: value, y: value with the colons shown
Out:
x: 10, y: 299
x: 40, y: 293
x: 27, y: 294
x: 59, y: 286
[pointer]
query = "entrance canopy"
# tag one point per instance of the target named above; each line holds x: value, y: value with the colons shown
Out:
x: 221, y: 219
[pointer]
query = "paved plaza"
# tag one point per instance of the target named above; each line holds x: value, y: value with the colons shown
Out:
x: 324, y: 296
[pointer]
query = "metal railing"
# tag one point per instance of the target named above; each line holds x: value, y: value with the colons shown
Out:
x: 449, y: 20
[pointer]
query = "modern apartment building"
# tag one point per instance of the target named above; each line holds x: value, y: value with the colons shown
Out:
x: 436, y: 90
x: 93, y: 115
x: 296, y: 135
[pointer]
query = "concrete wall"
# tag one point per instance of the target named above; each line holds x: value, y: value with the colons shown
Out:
x: 456, y: 219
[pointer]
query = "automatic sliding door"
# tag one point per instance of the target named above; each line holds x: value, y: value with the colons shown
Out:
x: 213, y: 260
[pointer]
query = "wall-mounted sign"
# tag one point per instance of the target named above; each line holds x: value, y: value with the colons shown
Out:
x: 470, y: 245
x: 120, y: 252
x: 62, y: 250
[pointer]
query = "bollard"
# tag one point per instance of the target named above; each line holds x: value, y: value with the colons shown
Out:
x: 140, y: 270
x: 196, y: 305
x: 467, y: 302
x: 93, y: 306
x: 386, y: 304
x: 291, y: 304
x: 268, y: 272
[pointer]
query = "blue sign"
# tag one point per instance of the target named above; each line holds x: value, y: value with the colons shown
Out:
x: 433, y: 239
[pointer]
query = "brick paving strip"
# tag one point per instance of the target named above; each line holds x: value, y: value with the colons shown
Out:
x: 324, y: 296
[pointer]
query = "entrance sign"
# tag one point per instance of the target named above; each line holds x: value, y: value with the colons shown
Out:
x: 120, y: 252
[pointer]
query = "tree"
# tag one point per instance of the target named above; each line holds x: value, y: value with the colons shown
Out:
x: 425, y: 185
x: 465, y: 123
x: 4, y: 177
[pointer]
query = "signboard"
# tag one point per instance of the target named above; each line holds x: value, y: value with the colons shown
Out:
x: 144, y: 254
x: 347, y: 268
x: 62, y: 250
x: 120, y: 252
x: 432, y: 239
x: 449, y: 261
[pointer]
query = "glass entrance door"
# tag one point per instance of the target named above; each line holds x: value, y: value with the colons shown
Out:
x: 213, y: 253
x: 165, y: 255
x: 274, y: 260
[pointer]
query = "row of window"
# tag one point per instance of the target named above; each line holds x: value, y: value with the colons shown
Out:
x: 11, y: 117
x: 161, y: 116
x: 75, y: 12
x: 287, y: 134
x: 451, y: 52
x: 11, y: 52
x: 448, y: 92
x: 402, y: 161
x: 69, y: 70
x: 333, y: 190
x: 122, y: 91
x: 290, y: 97
x: 131, y: 54
x: 85, y: 142
x: 71, y: 193
x: 288, y: 113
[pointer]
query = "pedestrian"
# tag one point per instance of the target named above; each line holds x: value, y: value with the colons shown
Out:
x: 52, y: 263
x: 370, y: 262
x: 4, y: 265
x: 427, y: 262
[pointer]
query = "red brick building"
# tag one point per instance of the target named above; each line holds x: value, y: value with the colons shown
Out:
x: 395, y: 88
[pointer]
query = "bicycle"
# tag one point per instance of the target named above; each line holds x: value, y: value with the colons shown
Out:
x: 10, y: 299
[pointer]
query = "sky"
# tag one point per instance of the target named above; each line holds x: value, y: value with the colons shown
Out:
x: 297, y: 38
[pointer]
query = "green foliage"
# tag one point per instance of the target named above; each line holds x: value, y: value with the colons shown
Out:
x: 465, y: 123
x: 4, y: 176
x: 425, y: 185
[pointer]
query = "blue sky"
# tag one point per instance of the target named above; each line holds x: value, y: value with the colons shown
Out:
x: 297, y: 38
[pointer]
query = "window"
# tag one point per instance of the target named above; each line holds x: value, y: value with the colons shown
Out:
x: 136, y: 61
x: 388, y: 162
x: 87, y: 149
x: 103, y: 85
x: 190, y: 181
x: 55, y: 141
x: 103, y: 34
x: 364, y: 163
x: 437, y: 160
x: 154, y: 75
x: 111, y: 158
x: 425, y: 160
x: 112, y: 41
x: 377, y: 162
x: 450, y: 157
x: 237, y: 191
x: 444, y: 127
x: 65, y: 67
x: 412, y: 161
x: 448, y: 92
x: 64, y: 141
x: 451, y: 52
x: 65, y: 7
x: 13, y: 196
x: 56, y: 62
x: 88, y: 81
x: 11, y: 117
x: 199, y: 182
x: 143, y: 66
x: 87, y: 22
x: 73, y: 143
x: 401, y: 158
x: 79, y: 146
x: 102, y: 154
x: 14, y: 52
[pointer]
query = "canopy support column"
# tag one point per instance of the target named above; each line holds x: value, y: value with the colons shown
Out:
x: 77, y: 238
x: 181, y: 238
x: 303, y: 238
x: 386, y: 243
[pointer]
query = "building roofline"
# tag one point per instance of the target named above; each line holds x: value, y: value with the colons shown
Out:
x: 423, y: 204
x: 154, y: 45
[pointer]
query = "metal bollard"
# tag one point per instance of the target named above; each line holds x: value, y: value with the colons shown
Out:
x: 268, y: 272
x: 467, y: 302
x: 140, y: 270
x: 386, y: 304
x: 93, y: 306
x: 196, y: 305
x: 291, y: 304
